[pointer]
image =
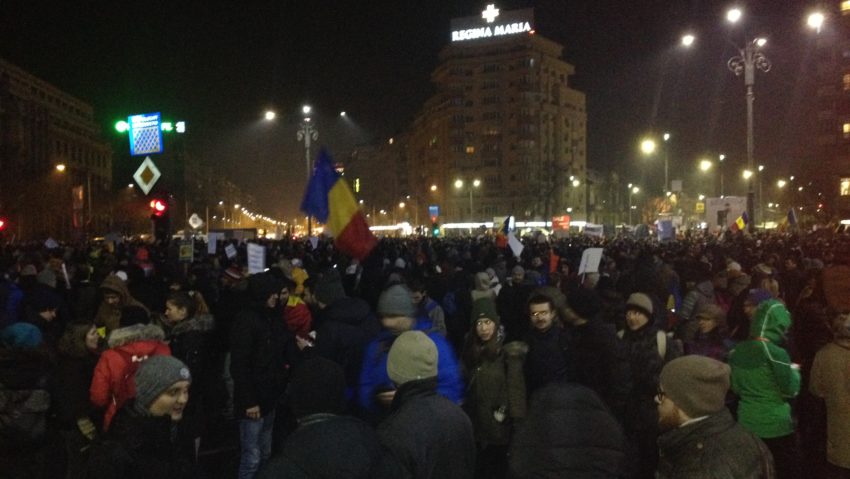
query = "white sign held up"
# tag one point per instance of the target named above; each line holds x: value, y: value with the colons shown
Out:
x: 256, y: 258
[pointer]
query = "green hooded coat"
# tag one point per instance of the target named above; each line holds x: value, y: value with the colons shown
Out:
x: 763, y: 376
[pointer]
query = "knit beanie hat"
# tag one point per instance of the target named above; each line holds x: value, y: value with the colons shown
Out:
x: 585, y: 302
x: 329, y: 288
x: 155, y: 375
x: 484, y: 308
x: 697, y: 384
x: 641, y: 302
x: 412, y: 356
x: 317, y: 386
x: 756, y: 296
x: 396, y: 301
x: 263, y: 285
x: 21, y: 336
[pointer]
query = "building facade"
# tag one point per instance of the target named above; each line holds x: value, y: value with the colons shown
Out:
x: 42, y: 127
x: 505, y: 133
x: 832, y: 141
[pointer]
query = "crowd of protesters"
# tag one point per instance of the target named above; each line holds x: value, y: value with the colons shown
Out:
x: 704, y: 357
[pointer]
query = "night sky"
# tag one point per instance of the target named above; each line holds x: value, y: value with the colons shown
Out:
x: 219, y: 65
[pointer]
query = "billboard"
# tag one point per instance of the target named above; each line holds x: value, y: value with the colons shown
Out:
x: 722, y: 212
x: 145, y: 134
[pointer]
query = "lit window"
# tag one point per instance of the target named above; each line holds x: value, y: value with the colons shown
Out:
x: 845, y: 7
x: 471, y: 149
x: 844, y: 188
x: 846, y: 130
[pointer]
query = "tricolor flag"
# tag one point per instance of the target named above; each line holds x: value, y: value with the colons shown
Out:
x: 330, y: 201
x: 741, y: 223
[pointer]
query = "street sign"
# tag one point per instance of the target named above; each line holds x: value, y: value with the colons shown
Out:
x: 195, y: 221
x: 147, y: 175
x: 145, y: 134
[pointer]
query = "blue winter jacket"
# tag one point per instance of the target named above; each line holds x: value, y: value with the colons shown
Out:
x: 374, y: 377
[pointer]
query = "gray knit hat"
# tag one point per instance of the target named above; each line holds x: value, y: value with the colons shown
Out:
x: 412, y: 356
x: 155, y: 375
x: 396, y: 301
x: 640, y: 301
x: 697, y: 384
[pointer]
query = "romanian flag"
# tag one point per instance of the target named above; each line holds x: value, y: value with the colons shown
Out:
x: 741, y: 223
x: 330, y: 201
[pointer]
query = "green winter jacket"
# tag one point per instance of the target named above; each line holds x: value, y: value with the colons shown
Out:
x: 763, y: 376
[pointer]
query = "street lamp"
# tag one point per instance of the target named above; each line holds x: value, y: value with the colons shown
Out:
x: 748, y: 60
x: 476, y: 183
x: 648, y: 146
x: 688, y: 40
x: 705, y: 165
x: 270, y: 115
x: 633, y: 190
x: 60, y: 167
x: 720, y: 160
x: 307, y: 133
x: 747, y: 174
x: 781, y: 183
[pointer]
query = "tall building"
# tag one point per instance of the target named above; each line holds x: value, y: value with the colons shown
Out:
x: 832, y: 142
x: 504, y: 134
x: 42, y: 127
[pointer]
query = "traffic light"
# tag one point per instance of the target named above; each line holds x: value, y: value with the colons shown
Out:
x: 160, y: 219
x: 435, y: 229
x: 2, y: 224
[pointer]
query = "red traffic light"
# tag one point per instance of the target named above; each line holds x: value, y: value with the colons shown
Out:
x: 158, y: 207
x: 2, y: 224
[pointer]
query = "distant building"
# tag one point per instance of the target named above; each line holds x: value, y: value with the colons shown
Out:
x: 42, y: 127
x: 503, y: 114
x: 832, y: 142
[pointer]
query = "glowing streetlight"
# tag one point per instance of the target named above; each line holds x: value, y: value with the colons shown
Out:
x: 734, y: 15
x: 458, y: 184
x: 647, y: 146
x: 747, y: 174
x: 761, y: 168
x: 342, y: 113
x: 576, y: 183
x: 701, y: 197
x: 705, y: 165
x: 635, y: 190
x: 476, y: 183
x: 60, y: 167
x: 433, y: 188
x: 760, y: 42
x: 306, y: 109
x: 781, y: 183
x: 688, y: 40
x: 270, y: 115
x: 221, y: 203
x: 815, y: 21
x: 401, y: 205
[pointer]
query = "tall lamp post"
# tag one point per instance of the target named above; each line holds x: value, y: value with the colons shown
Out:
x: 307, y: 133
x: 476, y: 183
x: 633, y: 190
x: 720, y: 167
x: 746, y: 62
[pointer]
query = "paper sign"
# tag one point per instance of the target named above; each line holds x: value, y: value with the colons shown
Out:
x: 256, y: 258
x: 187, y: 251
x: 212, y: 242
x: 515, y: 245
x: 314, y: 242
x: 590, y: 259
x: 230, y: 251
x: 51, y: 243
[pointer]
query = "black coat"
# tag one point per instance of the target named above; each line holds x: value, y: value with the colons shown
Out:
x: 426, y: 447
x: 547, y: 358
x: 192, y: 342
x: 513, y: 310
x: 329, y: 446
x: 137, y: 447
x: 343, y: 329
x: 714, y: 448
x: 69, y: 390
x: 568, y: 432
x: 258, y: 346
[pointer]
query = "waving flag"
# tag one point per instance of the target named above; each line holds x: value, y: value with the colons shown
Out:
x: 330, y: 201
x: 741, y: 223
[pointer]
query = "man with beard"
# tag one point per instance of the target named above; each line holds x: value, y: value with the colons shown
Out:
x: 700, y: 439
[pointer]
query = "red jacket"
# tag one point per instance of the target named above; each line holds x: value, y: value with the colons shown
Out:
x: 113, y: 382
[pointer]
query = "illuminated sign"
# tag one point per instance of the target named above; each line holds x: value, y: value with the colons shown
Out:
x: 844, y: 187
x: 493, y: 23
x: 145, y: 134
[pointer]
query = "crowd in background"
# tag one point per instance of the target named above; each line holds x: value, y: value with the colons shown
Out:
x: 707, y: 356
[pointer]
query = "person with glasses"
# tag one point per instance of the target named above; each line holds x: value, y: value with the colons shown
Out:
x: 699, y: 436
x: 546, y: 361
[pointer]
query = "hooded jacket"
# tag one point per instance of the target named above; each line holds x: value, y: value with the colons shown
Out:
x: 762, y: 374
x: 110, y: 316
x: 112, y: 384
x: 343, y: 329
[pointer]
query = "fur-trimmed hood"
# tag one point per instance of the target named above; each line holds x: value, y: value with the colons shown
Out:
x: 200, y: 322
x: 137, y: 332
